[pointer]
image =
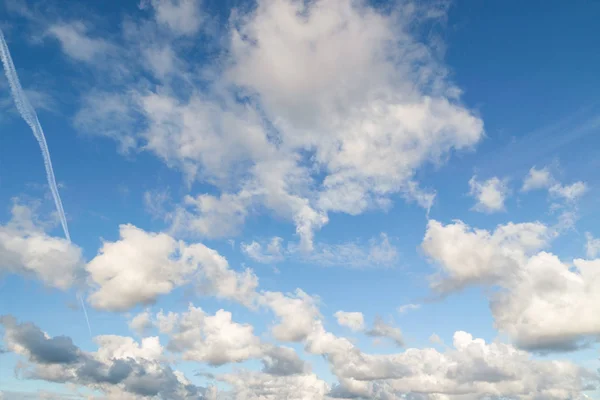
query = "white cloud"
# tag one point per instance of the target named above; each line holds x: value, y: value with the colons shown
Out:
x: 296, y: 312
x: 77, y: 44
x: 214, y: 339
x: 353, y: 320
x: 490, y: 194
x: 344, y: 132
x: 592, y: 246
x: 537, y: 179
x: 470, y: 256
x: 142, y: 266
x: 26, y: 249
x: 545, y: 303
x: 121, y: 368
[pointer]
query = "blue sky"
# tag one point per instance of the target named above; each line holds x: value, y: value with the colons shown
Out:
x: 305, y: 200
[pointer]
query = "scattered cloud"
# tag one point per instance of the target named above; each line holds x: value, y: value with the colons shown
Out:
x: 353, y: 320
x: 490, y: 194
x: 26, y: 249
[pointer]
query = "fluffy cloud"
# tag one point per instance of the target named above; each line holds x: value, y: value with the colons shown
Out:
x: 537, y: 179
x: 471, y: 256
x: 545, y: 303
x: 142, y: 266
x: 490, y: 194
x: 472, y: 369
x: 353, y: 320
x: 407, y: 307
x: 121, y: 368
x: 214, y: 339
x: 368, y: 106
x: 26, y: 249
x: 296, y: 312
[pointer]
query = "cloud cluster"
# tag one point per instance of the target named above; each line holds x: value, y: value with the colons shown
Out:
x: 121, y: 367
x: 545, y: 303
x: 490, y: 194
x: 313, y: 108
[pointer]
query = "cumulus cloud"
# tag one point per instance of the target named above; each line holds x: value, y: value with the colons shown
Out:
x: 26, y: 249
x: 537, y: 179
x: 353, y: 320
x: 545, y: 304
x: 472, y: 368
x: 120, y: 366
x: 344, y: 105
x: 141, y: 266
x: 214, y: 339
x: 490, y: 194
x: 297, y: 312
x: 471, y: 256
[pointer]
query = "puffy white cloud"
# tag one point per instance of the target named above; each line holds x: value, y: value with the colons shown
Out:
x: 472, y: 369
x: 490, y: 194
x: 537, y: 179
x: 142, y: 266
x: 214, y: 339
x: 592, y: 245
x: 297, y: 313
x: 250, y: 385
x: 342, y: 105
x: 471, y: 256
x: 544, y: 304
x: 550, y: 305
x: 26, y: 249
x: 353, y: 320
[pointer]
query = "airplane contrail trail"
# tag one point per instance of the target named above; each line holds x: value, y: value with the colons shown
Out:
x: 30, y: 117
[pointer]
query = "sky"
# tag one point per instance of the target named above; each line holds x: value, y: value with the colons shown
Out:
x: 286, y: 199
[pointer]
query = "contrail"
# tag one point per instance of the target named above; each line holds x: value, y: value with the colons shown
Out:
x: 30, y: 116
